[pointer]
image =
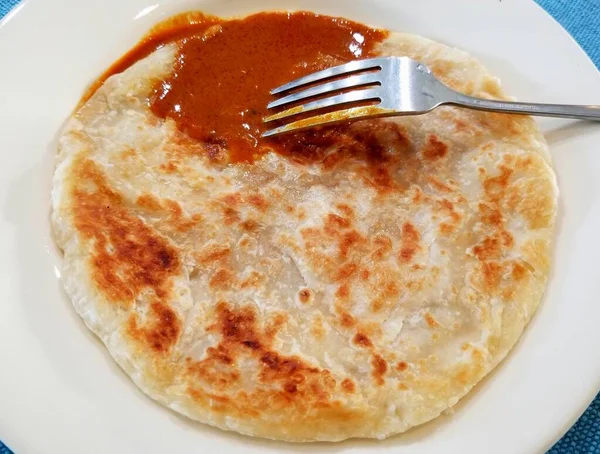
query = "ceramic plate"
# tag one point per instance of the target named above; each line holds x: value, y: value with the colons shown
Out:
x: 60, y: 392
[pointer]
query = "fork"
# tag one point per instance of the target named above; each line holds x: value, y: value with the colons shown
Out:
x: 391, y: 86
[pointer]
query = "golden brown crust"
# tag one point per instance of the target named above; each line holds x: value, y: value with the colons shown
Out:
x: 123, y: 264
x: 162, y: 333
x: 434, y: 149
x: 284, y: 382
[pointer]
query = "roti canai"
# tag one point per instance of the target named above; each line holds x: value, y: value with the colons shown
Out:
x: 352, y: 281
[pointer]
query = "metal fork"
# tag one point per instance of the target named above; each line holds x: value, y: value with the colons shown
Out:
x: 392, y: 86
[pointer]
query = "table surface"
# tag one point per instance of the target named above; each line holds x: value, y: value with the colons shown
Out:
x: 581, y: 18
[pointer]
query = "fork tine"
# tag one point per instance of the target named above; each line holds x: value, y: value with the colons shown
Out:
x: 356, y: 95
x: 352, y: 81
x: 358, y: 65
x: 329, y: 118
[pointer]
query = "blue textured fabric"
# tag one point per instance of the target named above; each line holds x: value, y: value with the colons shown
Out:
x: 581, y: 18
x: 5, y: 7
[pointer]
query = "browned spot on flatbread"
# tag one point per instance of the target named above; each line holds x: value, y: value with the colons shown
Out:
x: 495, y: 187
x: 174, y: 208
x: 367, y: 143
x: 508, y: 240
x: 127, y: 153
x: 343, y: 292
x: 461, y: 125
x: 437, y: 184
x: 418, y: 196
x: 217, y: 370
x: 259, y: 202
x: 346, y: 271
x: 377, y: 304
x: 317, y: 327
x: 446, y: 228
x: 381, y: 178
x: 518, y: 272
x: 222, y: 279
x: 490, y: 215
x: 235, y: 200
x: 149, y: 202
x: 239, y: 327
x: 533, y: 199
x: 402, y: 366
x: 346, y: 210
x: 348, y: 386
x: 253, y: 280
x: 213, y: 253
x: 282, y: 382
x: 162, y: 330
x: 232, y: 200
x: 380, y: 368
x: 409, y: 243
x: 350, y: 240
x: 492, y: 275
x: 169, y: 167
x: 382, y: 245
x: 362, y: 340
x: 128, y: 256
x: 434, y: 149
x: 172, y: 213
x: 177, y: 219
x: 249, y: 225
x: 389, y: 289
x: 305, y: 295
x: 430, y: 320
x: 488, y: 249
x: 230, y: 216
x: 275, y: 322
x: 346, y: 319
x: 335, y: 223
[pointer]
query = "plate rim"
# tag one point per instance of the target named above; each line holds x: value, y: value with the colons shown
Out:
x: 21, y: 8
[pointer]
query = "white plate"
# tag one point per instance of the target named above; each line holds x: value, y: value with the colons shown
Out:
x: 60, y: 392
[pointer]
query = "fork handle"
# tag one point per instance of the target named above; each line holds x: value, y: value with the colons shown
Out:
x: 525, y: 108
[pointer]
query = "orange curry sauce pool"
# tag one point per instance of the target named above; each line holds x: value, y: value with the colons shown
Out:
x: 219, y: 89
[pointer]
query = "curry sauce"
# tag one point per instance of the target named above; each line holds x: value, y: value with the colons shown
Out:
x: 225, y: 69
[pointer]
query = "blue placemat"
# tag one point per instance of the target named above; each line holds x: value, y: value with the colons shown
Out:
x: 581, y: 18
x: 5, y: 6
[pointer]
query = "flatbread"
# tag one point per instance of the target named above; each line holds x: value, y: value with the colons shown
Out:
x: 354, y: 295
